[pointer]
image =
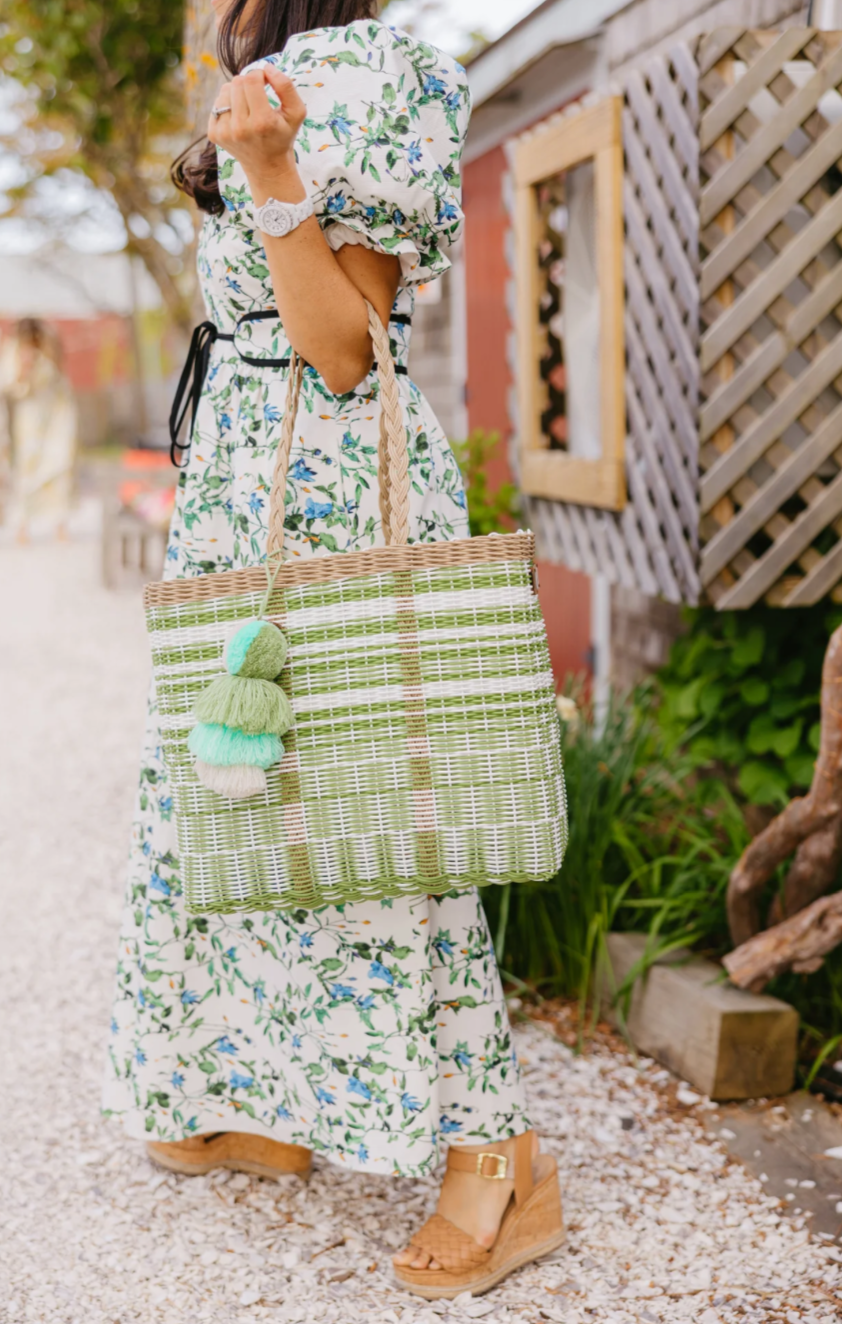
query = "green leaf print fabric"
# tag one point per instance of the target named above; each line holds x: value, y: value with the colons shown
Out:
x: 373, y: 1033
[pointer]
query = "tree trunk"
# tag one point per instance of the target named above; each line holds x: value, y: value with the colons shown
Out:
x: 203, y: 77
x: 800, y: 943
x: 201, y: 66
x: 810, y: 826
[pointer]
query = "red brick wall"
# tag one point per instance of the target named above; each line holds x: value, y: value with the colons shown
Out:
x: 564, y: 594
x: 486, y: 273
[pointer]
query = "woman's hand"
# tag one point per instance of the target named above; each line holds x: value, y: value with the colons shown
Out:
x: 319, y: 294
x: 260, y: 136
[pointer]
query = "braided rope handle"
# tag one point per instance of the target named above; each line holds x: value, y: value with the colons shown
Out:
x: 383, y: 481
x: 393, y: 467
x: 395, y: 504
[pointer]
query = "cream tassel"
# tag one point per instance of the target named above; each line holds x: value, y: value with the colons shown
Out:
x: 236, y: 782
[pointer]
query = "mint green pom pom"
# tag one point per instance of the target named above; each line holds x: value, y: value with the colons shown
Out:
x: 258, y: 651
x: 253, y: 706
x: 224, y: 746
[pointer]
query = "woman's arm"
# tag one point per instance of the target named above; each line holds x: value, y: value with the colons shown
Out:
x: 319, y: 294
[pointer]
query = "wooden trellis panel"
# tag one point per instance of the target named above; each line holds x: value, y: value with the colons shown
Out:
x: 652, y: 544
x: 770, y: 427
x: 733, y: 262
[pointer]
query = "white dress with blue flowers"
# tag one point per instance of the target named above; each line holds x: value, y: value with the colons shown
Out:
x: 367, y: 1032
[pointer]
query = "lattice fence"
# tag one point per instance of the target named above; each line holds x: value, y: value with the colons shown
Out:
x: 653, y: 544
x: 770, y: 428
x: 733, y: 201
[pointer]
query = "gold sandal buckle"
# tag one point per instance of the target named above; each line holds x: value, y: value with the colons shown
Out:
x: 502, y: 1166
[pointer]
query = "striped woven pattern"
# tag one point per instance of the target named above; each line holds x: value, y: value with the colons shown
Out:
x: 425, y: 752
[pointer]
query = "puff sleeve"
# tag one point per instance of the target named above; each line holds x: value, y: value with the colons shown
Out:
x: 380, y: 149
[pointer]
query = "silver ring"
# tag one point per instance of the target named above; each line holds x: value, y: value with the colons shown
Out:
x: 220, y: 110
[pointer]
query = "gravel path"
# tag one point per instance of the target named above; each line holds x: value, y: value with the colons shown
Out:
x: 662, y: 1226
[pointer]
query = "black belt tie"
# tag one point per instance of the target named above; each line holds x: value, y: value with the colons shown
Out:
x: 190, y: 386
x: 192, y: 381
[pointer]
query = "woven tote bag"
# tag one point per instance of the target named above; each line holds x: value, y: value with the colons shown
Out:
x: 425, y: 752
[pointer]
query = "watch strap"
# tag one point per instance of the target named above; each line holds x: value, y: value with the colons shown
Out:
x: 296, y: 212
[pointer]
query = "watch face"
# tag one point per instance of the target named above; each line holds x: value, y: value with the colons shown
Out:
x: 275, y: 220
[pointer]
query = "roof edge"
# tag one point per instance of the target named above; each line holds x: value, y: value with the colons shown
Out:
x: 552, y: 24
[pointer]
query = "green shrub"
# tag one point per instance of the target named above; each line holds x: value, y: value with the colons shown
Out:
x: 651, y: 846
x: 488, y: 512
x: 740, y: 694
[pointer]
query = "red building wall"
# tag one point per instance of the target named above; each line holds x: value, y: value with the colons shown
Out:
x: 97, y: 352
x: 564, y: 594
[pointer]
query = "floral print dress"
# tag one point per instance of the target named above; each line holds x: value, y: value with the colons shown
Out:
x: 369, y: 1032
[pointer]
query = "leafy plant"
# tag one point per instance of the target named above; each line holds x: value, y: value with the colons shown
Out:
x: 99, y: 95
x: 650, y: 848
x: 488, y: 512
x: 740, y: 694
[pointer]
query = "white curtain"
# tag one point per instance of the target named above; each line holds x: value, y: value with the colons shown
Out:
x: 580, y: 296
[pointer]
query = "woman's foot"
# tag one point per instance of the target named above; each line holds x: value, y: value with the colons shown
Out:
x: 472, y: 1202
x: 238, y: 1150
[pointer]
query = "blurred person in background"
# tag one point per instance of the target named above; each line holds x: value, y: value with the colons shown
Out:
x: 374, y: 1033
x: 41, y: 418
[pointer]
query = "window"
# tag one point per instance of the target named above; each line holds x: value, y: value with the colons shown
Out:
x: 571, y: 351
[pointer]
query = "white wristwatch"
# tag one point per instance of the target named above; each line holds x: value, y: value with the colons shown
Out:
x: 279, y: 218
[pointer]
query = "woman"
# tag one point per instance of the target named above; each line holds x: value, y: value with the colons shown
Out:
x: 368, y: 1033
x: 42, y: 428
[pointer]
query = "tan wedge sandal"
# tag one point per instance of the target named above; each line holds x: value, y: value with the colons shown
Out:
x: 231, y: 1149
x: 532, y: 1226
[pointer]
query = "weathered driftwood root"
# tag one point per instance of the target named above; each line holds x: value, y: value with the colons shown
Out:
x: 799, y: 943
x: 810, y: 827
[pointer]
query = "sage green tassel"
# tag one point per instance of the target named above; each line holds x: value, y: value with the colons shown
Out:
x: 253, y: 706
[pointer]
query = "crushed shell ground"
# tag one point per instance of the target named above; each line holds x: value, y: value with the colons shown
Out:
x: 662, y: 1226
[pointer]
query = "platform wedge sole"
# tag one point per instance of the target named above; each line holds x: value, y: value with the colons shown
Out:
x: 527, y: 1233
x: 235, y: 1150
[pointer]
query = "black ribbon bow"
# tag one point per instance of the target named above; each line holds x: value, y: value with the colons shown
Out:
x: 189, y: 390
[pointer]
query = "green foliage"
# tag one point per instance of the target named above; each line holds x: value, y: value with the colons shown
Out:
x: 102, y: 96
x: 650, y: 848
x: 818, y: 1000
x: 104, y: 65
x: 489, y: 512
x: 740, y: 694
x: 658, y: 796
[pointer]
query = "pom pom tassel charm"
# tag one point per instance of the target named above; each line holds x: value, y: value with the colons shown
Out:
x: 257, y: 651
x: 242, y: 715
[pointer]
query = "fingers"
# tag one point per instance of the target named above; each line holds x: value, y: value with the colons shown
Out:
x: 253, y: 119
x: 286, y: 91
x: 240, y: 109
x: 216, y: 124
x: 254, y: 88
x: 227, y: 129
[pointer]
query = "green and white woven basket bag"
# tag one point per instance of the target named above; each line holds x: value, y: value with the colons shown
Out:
x: 425, y: 752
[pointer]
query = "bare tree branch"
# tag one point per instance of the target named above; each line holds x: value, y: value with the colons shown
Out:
x: 810, y: 826
x: 800, y: 943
